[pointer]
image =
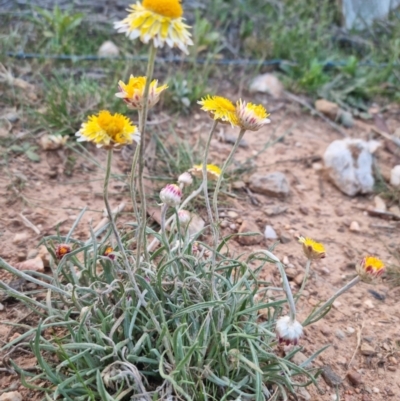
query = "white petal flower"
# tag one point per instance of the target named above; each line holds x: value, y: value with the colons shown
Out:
x: 288, y: 331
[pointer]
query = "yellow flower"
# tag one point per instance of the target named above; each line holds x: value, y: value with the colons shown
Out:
x: 159, y: 21
x: 108, y: 130
x: 251, y: 116
x: 370, y: 268
x: 312, y: 249
x: 132, y: 92
x: 213, y: 171
x: 220, y: 108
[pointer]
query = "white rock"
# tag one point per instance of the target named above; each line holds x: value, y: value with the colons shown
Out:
x: 350, y: 330
x: 267, y: 83
x: 272, y: 184
x: 369, y: 304
x: 35, y: 264
x: 375, y: 390
x: 11, y: 396
x: 1, y: 307
x: 21, y: 238
x: 395, y: 176
x: 355, y: 227
x: 379, y: 204
x: 270, y: 233
x: 108, y: 49
x: 349, y: 165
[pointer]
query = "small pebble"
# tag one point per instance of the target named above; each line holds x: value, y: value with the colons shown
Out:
x: 355, y: 227
x: 375, y: 390
x: 232, y: 214
x: 350, y: 330
x: 270, y: 233
x: 233, y: 226
x: 354, y: 378
x: 224, y: 223
x: 340, y: 334
x: 369, y: 304
x: 1, y: 307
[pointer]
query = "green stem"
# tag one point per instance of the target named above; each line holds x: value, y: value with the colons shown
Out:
x: 164, y: 209
x: 155, y: 241
x: 109, y: 211
x: 115, y: 230
x: 303, y: 284
x: 141, y: 239
x: 205, y: 180
x: 132, y: 182
x: 288, y: 292
x: 316, y: 315
x: 218, y: 186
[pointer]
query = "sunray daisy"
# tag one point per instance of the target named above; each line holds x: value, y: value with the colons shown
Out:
x: 370, y: 268
x: 132, y: 93
x: 312, y: 249
x: 220, y: 109
x: 159, y: 21
x: 251, y: 117
x: 213, y: 171
x: 108, y: 130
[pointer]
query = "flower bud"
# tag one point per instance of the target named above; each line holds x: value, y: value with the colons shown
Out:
x: 171, y: 195
x: 184, y: 218
x: 62, y: 249
x: 185, y: 179
x: 288, y: 331
x: 312, y: 249
x: 109, y: 252
x: 370, y: 268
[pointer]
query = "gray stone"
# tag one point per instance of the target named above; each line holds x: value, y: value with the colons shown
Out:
x: 340, y: 334
x: 272, y: 184
x: 367, y: 350
x: 270, y: 233
x: 331, y: 378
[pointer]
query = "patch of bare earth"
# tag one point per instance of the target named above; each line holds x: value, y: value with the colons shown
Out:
x: 361, y: 328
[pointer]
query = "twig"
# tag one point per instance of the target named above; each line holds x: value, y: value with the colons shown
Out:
x: 313, y: 110
x: 359, y: 330
x: 29, y: 224
x: 386, y: 135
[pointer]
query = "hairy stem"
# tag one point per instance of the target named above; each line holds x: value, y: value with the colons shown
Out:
x: 195, y: 193
x: 141, y: 239
x: 164, y: 209
x: 303, y: 284
x: 115, y: 230
x: 218, y: 186
x: 320, y: 312
x: 205, y: 181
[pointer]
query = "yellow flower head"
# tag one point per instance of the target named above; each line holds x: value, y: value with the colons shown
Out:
x: 370, y: 268
x: 312, y: 249
x: 251, y: 116
x: 108, y: 130
x: 213, y: 171
x: 132, y: 92
x: 159, y: 21
x: 220, y: 108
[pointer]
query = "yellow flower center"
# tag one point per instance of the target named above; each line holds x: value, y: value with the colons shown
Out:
x: 258, y: 110
x: 134, y: 84
x: 221, y: 103
x: 373, y: 264
x: 114, y: 125
x: 166, y: 8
